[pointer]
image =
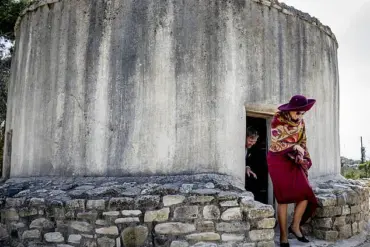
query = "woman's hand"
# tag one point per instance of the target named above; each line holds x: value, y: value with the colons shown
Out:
x: 249, y: 172
x: 299, y: 149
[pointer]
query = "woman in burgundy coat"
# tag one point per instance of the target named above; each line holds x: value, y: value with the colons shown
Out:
x: 288, y: 164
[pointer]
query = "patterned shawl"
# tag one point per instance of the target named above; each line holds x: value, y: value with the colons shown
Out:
x: 286, y: 133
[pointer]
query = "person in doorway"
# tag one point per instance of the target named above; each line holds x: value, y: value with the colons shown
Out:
x: 288, y: 163
x: 251, y: 139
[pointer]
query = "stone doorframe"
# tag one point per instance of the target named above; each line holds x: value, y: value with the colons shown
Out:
x: 265, y: 111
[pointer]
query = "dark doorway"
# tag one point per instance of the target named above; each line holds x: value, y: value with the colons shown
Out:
x: 257, y: 161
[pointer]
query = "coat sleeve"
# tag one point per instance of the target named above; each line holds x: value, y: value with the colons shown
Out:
x: 303, y: 144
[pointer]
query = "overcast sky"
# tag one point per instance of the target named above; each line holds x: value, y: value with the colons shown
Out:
x: 350, y: 22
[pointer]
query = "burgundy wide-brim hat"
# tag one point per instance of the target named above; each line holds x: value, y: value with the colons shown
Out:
x: 298, y: 103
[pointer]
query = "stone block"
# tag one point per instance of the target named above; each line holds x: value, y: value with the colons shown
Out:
x: 10, y: 214
x: 345, y: 231
x: 174, y: 228
x: 247, y: 203
x: 232, y: 237
x: 203, y: 236
x: 53, y: 237
x: 261, y: 235
x: 37, y: 202
x: 42, y: 223
x: 342, y: 199
x: 207, y: 244
x: 157, y: 215
x: 82, y: 227
x: 31, y: 235
x: 121, y: 203
x: 327, y: 200
x: 227, y: 196
x: 355, y: 228
x: 147, y: 202
x: 106, y: 242
x: 102, y: 222
x: 266, y: 244
x: 14, y: 202
x: 4, y: 233
x: 131, y: 213
x: 266, y: 223
x: 260, y: 211
x: 232, y: 214
x: 173, y: 200
x: 26, y: 212
x: 179, y: 244
x: 233, y: 203
x: 323, y: 223
x: 346, y: 210
x: 205, y: 226
x: 111, y: 215
x: 186, y: 212
x: 76, y: 204
x: 186, y: 188
x: 74, y: 239
x: 329, y: 212
x: 95, y: 204
x: 90, y: 216
x: 326, y: 235
x: 109, y: 231
x: 355, y: 209
x: 200, y: 199
x: 236, y: 226
x: 340, y: 221
x: 361, y: 226
x: 126, y: 220
x: 134, y: 236
x: 211, y: 212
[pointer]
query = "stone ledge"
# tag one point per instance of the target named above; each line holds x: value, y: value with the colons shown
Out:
x: 282, y: 7
x: 121, y: 212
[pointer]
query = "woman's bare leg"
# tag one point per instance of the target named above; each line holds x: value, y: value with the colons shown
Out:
x: 282, y: 218
x: 298, y: 213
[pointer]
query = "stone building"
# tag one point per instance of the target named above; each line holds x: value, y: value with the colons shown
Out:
x: 140, y: 109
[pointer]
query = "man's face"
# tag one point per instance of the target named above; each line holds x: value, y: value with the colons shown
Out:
x: 251, y: 140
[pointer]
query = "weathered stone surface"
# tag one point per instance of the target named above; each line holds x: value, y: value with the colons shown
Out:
x: 361, y: 226
x: 26, y: 212
x: 77, y: 204
x: 247, y: 203
x: 134, y: 236
x: 10, y: 214
x: 41, y: 223
x: 211, y: 212
x: 346, y: 210
x: 14, y: 202
x: 205, y: 226
x: 121, y: 203
x: 126, y: 220
x: 179, y: 244
x: 106, y: 242
x: 266, y: 223
x: 266, y: 244
x: 81, y: 226
x: 261, y: 235
x: 260, y: 211
x: 237, y: 226
x: 200, y: 199
x: 118, y: 242
x: 174, y: 228
x: 186, y: 212
x: 92, y: 215
x: 205, y: 191
x: 329, y: 211
x: 74, y: 239
x: 327, y: 200
x: 355, y: 228
x: 95, y: 204
x: 54, y: 237
x: 111, y: 215
x: 340, y: 221
x: 173, y: 200
x: 31, y: 234
x: 64, y: 245
x: 232, y: 214
x: 186, y: 188
x: 323, y: 223
x: 232, y: 237
x: 345, y: 231
x: 204, y: 236
x: 37, y: 202
x: 3, y: 232
x: 157, y: 215
x: 227, y: 195
x: 130, y: 213
x: 355, y: 209
x: 233, y: 203
x: 111, y: 231
x: 101, y: 223
x: 147, y: 202
x: 205, y: 244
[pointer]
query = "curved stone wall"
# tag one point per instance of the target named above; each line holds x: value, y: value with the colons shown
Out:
x: 160, y: 87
